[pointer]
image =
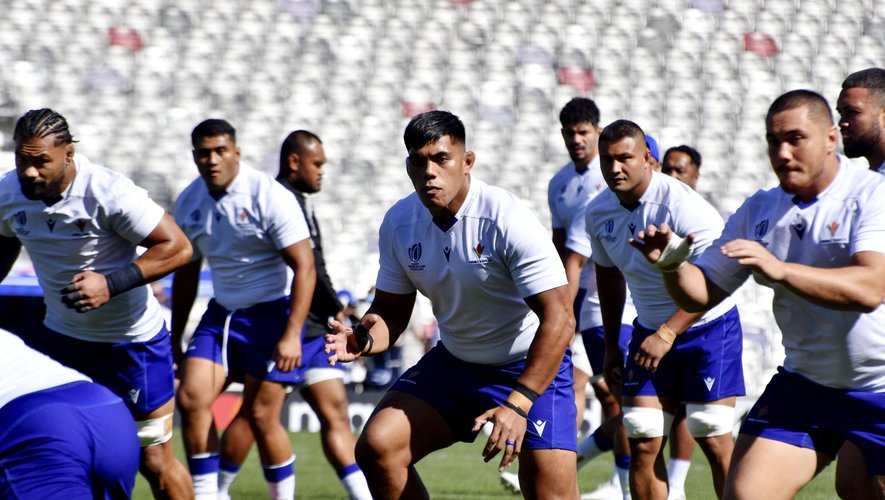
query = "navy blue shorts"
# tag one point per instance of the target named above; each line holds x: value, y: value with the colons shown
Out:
x: 703, y: 365
x: 461, y: 391
x: 795, y: 410
x: 252, y: 336
x: 74, y: 441
x: 594, y: 344
x: 139, y: 372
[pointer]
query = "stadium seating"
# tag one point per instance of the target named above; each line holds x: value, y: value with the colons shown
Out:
x: 134, y: 76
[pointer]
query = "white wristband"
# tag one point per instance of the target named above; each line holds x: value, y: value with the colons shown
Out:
x: 676, y: 252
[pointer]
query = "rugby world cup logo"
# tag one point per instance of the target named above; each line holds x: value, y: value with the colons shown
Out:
x: 415, y: 252
x: 761, y: 229
x: 608, y: 227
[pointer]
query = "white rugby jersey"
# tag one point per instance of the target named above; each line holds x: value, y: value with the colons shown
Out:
x: 569, y: 190
x: 578, y: 241
x: 844, y: 349
x: 24, y: 370
x: 666, y: 200
x: 476, y: 273
x: 241, y: 234
x: 96, y: 226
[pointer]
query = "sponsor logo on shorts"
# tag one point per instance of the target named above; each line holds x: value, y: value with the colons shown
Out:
x: 133, y: 395
x: 539, y: 427
x: 709, y: 381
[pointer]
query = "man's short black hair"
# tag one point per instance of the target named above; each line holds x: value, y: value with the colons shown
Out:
x: 433, y: 126
x: 212, y: 127
x: 816, y: 105
x: 579, y: 110
x: 690, y: 151
x: 295, y: 142
x: 620, y: 129
x: 872, y: 79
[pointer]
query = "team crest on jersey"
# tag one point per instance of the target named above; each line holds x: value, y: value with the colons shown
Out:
x: 243, y: 216
x: 480, y: 258
x: 607, y: 229
x: 81, y: 226
x: 21, y: 218
x: 833, y: 227
x: 415, y: 257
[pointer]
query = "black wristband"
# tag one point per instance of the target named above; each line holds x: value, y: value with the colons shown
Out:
x: 525, y: 391
x: 519, y: 411
x: 364, y: 339
x: 123, y: 280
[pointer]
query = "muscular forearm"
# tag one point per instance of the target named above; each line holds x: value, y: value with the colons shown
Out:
x: 547, y: 350
x: 852, y: 288
x: 185, y: 284
x: 689, y: 289
x: 300, y: 298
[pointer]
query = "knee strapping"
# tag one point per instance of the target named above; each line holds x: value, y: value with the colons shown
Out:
x: 155, y: 431
x: 642, y: 422
x: 708, y: 420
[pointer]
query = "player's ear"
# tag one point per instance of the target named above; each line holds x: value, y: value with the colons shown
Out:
x: 469, y: 159
x: 69, y: 152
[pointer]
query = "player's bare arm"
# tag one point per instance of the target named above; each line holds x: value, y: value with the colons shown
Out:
x: 167, y: 249
x: 386, y: 319
x: 857, y: 287
x: 185, y: 283
x: 612, y: 293
x: 299, y: 257
x: 544, y: 358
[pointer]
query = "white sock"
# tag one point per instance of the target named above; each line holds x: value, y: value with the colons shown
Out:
x: 624, y: 478
x: 677, y: 471
x: 206, y: 486
x: 587, y: 451
x: 281, y: 479
x: 225, y: 480
x: 356, y: 486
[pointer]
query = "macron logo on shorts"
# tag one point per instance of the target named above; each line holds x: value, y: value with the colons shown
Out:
x: 709, y: 381
x: 133, y: 395
x: 539, y: 427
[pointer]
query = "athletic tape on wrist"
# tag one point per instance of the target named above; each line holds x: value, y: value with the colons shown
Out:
x: 124, y: 279
x: 676, y: 252
x: 525, y: 391
x: 666, y: 334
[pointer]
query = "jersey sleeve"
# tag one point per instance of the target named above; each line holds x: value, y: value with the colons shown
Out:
x: 600, y: 256
x: 131, y: 213
x: 555, y: 219
x: 392, y: 278
x: 285, y: 221
x: 869, y: 236
x: 532, y: 259
x: 179, y: 213
x: 723, y: 271
x: 577, y: 240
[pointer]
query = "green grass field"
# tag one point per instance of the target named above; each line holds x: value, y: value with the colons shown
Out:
x: 457, y: 472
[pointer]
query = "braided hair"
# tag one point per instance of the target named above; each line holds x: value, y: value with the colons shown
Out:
x: 42, y: 123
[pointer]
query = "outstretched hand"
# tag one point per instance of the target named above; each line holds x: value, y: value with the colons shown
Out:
x: 341, y: 343
x: 653, y: 241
